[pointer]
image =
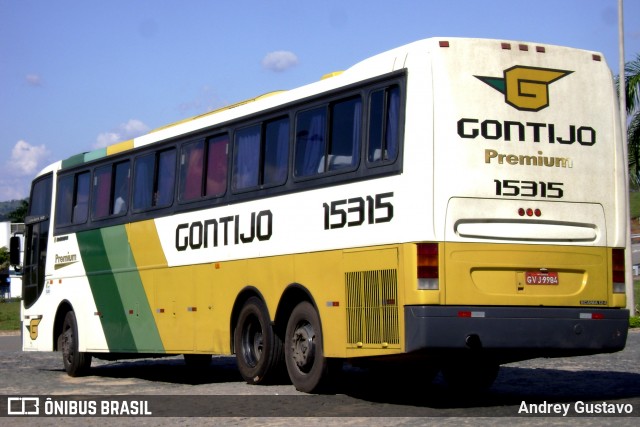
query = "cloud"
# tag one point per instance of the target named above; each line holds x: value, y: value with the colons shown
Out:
x: 125, y: 131
x: 34, y: 80
x: 279, y: 61
x: 25, y: 161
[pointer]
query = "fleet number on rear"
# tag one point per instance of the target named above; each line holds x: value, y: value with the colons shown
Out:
x: 514, y: 187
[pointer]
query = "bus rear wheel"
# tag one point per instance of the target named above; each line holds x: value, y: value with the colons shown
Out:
x: 76, y: 363
x: 259, y: 351
x: 307, y: 367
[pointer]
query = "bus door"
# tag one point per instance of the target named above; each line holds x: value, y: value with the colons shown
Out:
x: 37, y: 225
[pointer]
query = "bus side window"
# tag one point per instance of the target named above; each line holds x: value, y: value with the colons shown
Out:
x: 346, y: 127
x: 276, y: 152
x: 246, y: 158
x: 81, y: 200
x: 165, y: 178
x: 317, y: 154
x: 154, y: 180
x: 191, y: 169
x: 384, y: 120
x: 64, y: 200
x: 120, y: 188
x: 143, y: 173
x: 217, y: 153
x: 101, y: 192
x: 311, y: 141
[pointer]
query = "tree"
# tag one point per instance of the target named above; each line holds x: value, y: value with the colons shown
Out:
x: 632, y: 82
x: 20, y: 213
x: 4, y: 259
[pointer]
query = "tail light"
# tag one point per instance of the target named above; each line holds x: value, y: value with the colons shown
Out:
x: 617, y: 271
x: 428, y: 271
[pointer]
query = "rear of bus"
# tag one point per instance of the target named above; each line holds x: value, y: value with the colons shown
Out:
x: 529, y: 204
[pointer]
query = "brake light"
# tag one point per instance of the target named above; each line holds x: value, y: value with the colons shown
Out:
x: 427, y: 266
x: 617, y: 270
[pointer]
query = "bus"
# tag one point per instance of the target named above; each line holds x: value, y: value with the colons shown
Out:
x: 452, y: 204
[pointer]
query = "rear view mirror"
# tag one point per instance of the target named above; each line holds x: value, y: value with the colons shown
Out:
x: 14, y: 250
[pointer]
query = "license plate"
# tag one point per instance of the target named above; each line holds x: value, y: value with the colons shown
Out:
x: 541, y: 278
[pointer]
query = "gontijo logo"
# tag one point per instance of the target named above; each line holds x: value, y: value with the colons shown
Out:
x: 525, y: 88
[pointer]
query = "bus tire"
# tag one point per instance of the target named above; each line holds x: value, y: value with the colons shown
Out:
x: 76, y: 363
x: 259, y: 351
x: 307, y: 367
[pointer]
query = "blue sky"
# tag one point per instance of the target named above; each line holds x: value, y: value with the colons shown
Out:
x: 76, y: 75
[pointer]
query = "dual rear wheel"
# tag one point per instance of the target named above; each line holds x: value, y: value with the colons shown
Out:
x: 262, y: 354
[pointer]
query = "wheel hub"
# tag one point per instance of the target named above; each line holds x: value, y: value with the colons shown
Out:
x: 303, y: 347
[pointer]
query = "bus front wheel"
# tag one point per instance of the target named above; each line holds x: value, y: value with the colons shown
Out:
x: 76, y: 363
x: 307, y: 367
x: 258, y: 348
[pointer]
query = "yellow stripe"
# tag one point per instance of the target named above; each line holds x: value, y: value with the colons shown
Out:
x: 120, y: 147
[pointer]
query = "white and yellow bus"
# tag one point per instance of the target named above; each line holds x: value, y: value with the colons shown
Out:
x: 453, y: 203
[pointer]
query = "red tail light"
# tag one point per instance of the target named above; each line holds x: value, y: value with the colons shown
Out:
x: 617, y: 270
x: 427, y: 261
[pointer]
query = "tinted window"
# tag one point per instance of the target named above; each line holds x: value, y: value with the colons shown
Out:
x: 311, y: 141
x: 121, y: 189
x: 384, y: 123
x: 101, y: 192
x: 203, y: 169
x: 154, y: 179
x: 346, y: 124
x: 276, y: 152
x: 246, y: 158
x: 191, y: 169
x: 315, y: 151
x: 217, y: 152
x: 72, y: 201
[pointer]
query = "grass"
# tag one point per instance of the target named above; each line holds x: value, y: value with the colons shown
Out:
x: 9, y: 315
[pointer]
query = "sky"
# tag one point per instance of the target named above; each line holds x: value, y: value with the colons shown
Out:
x: 77, y: 75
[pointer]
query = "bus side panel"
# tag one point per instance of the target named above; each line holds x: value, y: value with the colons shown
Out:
x: 116, y: 286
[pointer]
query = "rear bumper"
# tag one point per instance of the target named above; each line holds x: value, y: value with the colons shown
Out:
x: 516, y: 333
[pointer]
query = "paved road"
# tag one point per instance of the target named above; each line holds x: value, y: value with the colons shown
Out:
x: 359, y: 398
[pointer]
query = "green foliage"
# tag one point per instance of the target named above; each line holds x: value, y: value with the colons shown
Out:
x: 4, y: 259
x: 634, y: 322
x: 19, y: 213
x: 13, y: 210
x: 632, y: 91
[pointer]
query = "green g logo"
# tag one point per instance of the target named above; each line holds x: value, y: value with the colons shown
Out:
x: 525, y: 88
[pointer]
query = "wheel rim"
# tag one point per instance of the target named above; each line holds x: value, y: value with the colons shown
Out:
x: 252, y: 342
x: 303, y: 347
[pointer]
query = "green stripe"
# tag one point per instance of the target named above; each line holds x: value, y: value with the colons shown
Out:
x: 78, y: 159
x: 117, y: 289
x: 95, y: 154
x: 81, y: 158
